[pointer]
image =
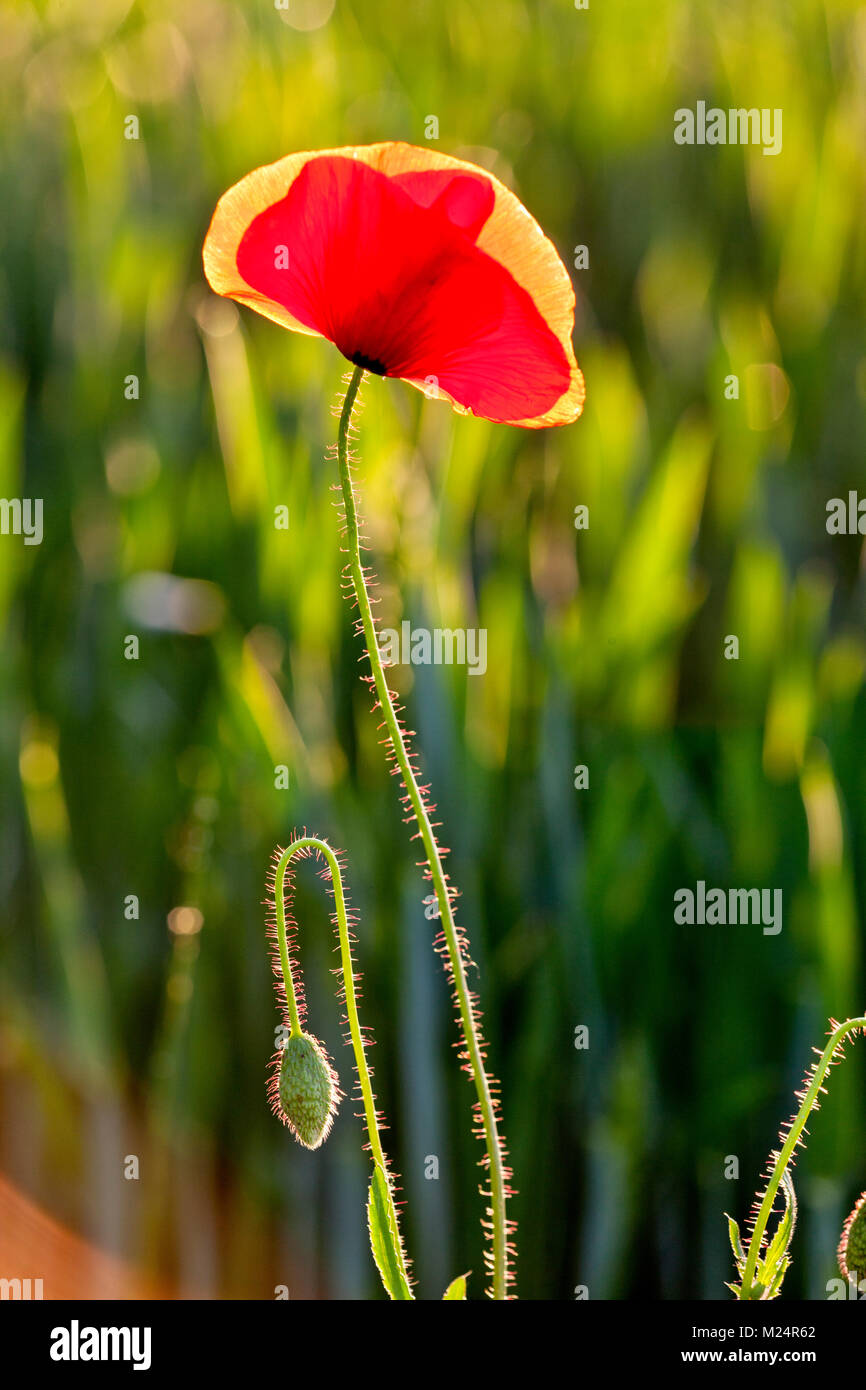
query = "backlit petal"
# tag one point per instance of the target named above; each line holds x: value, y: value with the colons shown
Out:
x: 415, y: 265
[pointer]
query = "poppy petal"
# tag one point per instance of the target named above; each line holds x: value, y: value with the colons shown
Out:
x: 466, y: 200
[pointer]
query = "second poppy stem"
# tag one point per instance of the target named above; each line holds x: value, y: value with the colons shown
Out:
x: 808, y: 1101
x: 300, y: 848
x: 456, y: 959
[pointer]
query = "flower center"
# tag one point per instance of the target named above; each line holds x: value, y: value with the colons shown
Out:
x: 370, y: 364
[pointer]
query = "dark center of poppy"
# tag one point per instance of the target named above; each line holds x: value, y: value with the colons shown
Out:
x: 370, y: 364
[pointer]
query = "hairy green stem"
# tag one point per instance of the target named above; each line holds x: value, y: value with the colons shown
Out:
x: 301, y: 846
x: 798, y: 1124
x: 471, y: 1033
x: 282, y: 941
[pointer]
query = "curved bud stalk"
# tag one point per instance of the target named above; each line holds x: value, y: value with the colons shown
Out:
x: 452, y: 943
x: 303, y: 1086
x: 764, y: 1264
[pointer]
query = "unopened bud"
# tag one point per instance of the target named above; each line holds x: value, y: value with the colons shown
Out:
x: 308, y: 1090
x: 852, y: 1246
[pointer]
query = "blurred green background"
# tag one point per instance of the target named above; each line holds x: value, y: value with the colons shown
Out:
x: 155, y: 777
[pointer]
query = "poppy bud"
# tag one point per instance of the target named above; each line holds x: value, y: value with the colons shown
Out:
x: 307, y: 1089
x: 852, y: 1246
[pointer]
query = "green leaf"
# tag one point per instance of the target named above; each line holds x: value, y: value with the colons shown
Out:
x: 456, y: 1289
x: 773, y: 1267
x: 736, y: 1243
x: 384, y: 1241
x: 776, y: 1285
x: 782, y: 1239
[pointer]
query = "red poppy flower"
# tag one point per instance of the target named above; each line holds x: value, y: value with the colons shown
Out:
x: 415, y: 265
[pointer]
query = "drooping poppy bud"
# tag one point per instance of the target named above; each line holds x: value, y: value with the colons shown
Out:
x: 307, y: 1090
x: 852, y: 1246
